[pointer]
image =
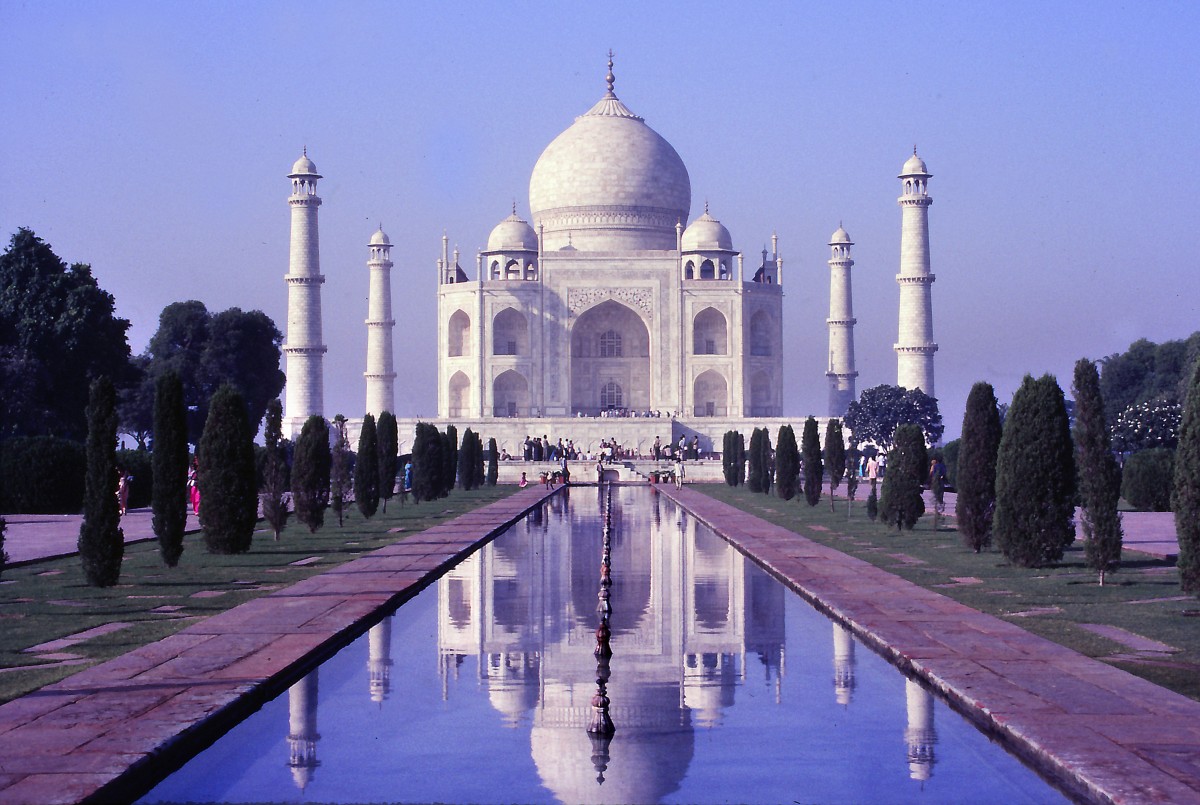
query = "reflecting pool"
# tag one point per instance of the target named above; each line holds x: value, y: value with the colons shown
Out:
x: 493, y: 686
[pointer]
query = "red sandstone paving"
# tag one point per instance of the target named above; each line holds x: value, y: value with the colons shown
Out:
x: 1113, y: 736
x: 66, y: 741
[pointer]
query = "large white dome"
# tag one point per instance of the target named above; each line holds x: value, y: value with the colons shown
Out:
x: 609, y: 183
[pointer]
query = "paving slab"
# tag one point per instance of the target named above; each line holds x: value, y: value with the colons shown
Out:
x: 1104, y: 734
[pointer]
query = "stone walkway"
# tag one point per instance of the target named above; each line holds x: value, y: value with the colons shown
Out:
x: 1111, y: 736
x: 30, y: 537
x: 93, y: 734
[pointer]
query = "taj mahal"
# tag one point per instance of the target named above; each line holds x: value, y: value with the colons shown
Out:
x: 607, y: 307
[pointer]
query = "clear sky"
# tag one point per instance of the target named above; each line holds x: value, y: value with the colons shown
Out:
x: 153, y: 140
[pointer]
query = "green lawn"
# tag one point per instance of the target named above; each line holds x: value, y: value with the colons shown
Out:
x: 47, y: 600
x: 1051, y: 602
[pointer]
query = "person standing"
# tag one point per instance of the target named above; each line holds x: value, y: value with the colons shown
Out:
x: 679, y: 469
x: 122, y: 491
x: 656, y: 450
x: 193, y: 482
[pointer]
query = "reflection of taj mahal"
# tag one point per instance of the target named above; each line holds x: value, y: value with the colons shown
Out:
x: 610, y: 300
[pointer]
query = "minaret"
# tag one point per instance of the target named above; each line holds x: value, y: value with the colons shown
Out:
x: 304, y: 349
x: 302, y: 730
x: 380, y: 373
x: 841, y: 323
x: 920, y: 736
x: 379, y: 659
x: 915, y: 346
x: 843, y: 664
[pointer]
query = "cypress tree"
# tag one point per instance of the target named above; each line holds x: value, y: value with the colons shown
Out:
x: 311, y: 465
x: 1035, y: 476
x: 727, y: 458
x: 389, y: 448
x: 1099, y: 476
x: 766, y: 462
x: 427, y: 462
x: 466, y: 461
x: 478, y: 462
x: 787, y: 463
x: 169, y: 467
x: 275, y: 471
x: 493, y: 467
x: 852, y: 458
x: 366, y: 469
x: 341, y: 480
x: 1185, y: 497
x: 741, y: 459
x: 835, y: 456
x: 228, y: 478
x: 101, y: 540
x: 754, y: 476
x: 901, y: 503
x: 814, y: 471
x: 449, y: 460
x: 975, y: 478
x: 872, y: 504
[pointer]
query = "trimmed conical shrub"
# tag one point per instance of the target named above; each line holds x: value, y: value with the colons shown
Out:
x: 311, y: 465
x: 366, y: 469
x: 101, y: 541
x: 975, y: 477
x: 169, y: 463
x: 1099, y: 475
x: 227, y: 475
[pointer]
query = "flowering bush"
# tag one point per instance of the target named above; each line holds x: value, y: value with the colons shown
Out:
x: 1147, y: 425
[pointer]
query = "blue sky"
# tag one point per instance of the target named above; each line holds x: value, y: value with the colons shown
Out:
x: 152, y: 140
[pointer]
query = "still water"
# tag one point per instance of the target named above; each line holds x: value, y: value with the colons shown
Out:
x: 722, y: 686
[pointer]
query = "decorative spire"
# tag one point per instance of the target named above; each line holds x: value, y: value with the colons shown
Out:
x: 610, y: 78
x: 514, y: 206
x: 305, y: 150
x: 706, y: 206
x: 914, y: 149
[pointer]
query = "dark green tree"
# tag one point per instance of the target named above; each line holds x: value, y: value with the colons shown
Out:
x: 493, y: 467
x: 814, y: 470
x: 275, y: 470
x: 1099, y: 475
x: 449, y: 461
x: 366, y: 469
x: 767, y: 461
x: 874, y: 416
x: 852, y: 458
x: 58, y: 332
x: 872, y: 504
x: 741, y: 459
x: 428, y: 462
x: 900, y: 503
x: 975, y: 478
x: 1035, y: 477
x: 466, y: 461
x: 835, y: 456
x: 228, y: 477
x: 787, y: 463
x: 389, y: 448
x: 754, y: 473
x: 478, y: 462
x: 1185, y: 498
x: 170, y: 468
x: 311, y: 466
x: 341, y: 470
x: 101, y: 540
x: 1148, y: 479
x: 950, y: 456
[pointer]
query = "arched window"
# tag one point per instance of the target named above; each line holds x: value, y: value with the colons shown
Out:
x: 610, y: 344
x: 706, y: 270
x: 512, y: 270
x: 689, y: 271
x: 495, y: 269
x: 709, y: 333
x: 610, y: 396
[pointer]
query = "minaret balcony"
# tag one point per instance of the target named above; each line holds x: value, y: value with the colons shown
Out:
x: 916, y: 349
x: 915, y: 279
x: 300, y: 279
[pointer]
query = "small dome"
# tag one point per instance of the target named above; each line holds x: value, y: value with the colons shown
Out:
x: 304, y: 167
x: 915, y: 166
x: 380, y: 239
x: 512, y: 234
x: 706, y: 234
x: 840, y: 237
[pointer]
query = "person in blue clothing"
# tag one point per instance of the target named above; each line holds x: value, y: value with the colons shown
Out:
x: 406, y: 486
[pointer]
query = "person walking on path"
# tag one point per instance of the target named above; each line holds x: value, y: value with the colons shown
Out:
x: 122, y: 491
x: 193, y: 482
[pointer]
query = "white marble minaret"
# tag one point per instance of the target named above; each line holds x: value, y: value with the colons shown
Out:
x: 841, y: 323
x: 915, y: 346
x: 380, y: 373
x: 304, y: 348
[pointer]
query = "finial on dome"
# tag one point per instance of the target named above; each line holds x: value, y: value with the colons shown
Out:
x: 706, y: 206
x: 610, y: 78
x: 305, y: 150
x: 514, y: 206
x: 914, y: 149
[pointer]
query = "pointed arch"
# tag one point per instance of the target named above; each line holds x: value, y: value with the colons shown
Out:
x: 710, y: 333
x: 761, y: 328
x: 459, y: 395
x: 458, y: 335
x: 510, y: 393
x: 710, y: 394
x: 510, y: 333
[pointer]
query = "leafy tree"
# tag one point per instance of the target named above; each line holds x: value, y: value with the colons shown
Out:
x: 1147, y: 425
x: 1035, y: 477
x: 228, y: 477
x: 754, y: 476
x: 814, y: 469
x: 1185, y: 497
x: 493, y: 467
x: 787, y: 463
x: 311, y: 467
x: 341, y: 477
x: 901, y: 503
x: 975, y: 478
x: 42, y: 475
x: 366, y: 469
x: 101, y: 541
x: 428, y: 462
x: 208, y: 350
x: 275, y: 471
x: 874, y: 416
x: 1148, y: 479
x: 1099, y: 476
x: 767, y: 462
x: 389, y: 448
x: 835, y: 456
x: 58, y: 332
x: 170, y: 468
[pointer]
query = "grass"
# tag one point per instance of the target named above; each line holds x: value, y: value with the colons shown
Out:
x: 1052, y: 602
x: 48, y: 600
